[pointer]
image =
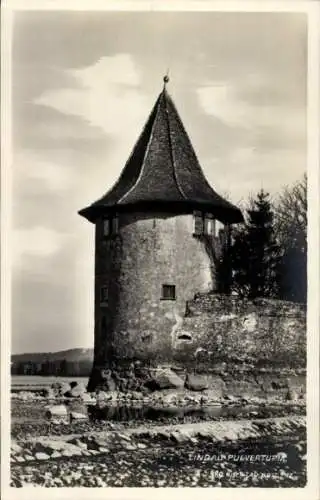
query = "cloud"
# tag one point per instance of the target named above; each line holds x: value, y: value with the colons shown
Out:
x: 255, y: 169
x: 219, y: 100
x: 109, y: 102
x: 38, y: 241
x: 267, y: 124
x: 109, y: 96
x: 44, y: 130
x: 54, y: 177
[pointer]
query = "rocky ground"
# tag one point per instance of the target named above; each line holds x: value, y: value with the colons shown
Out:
x: 56, y: 442
x: 29, y: 420
x: 195, y: 456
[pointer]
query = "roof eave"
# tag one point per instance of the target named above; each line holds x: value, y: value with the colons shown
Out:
x: 228, y: 215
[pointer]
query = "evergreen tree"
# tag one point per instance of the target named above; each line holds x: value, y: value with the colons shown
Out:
x: 255, y: 253
x: 223, y: 268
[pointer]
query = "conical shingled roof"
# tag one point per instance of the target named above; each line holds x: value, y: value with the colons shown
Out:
x: 163, y: 173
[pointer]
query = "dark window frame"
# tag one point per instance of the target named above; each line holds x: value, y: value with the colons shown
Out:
x: 113, y: 226
x: 209, y: 225
x: 198, y: 220
x: 106, y: 223
x: 167, y: 287
x: 104, y: 297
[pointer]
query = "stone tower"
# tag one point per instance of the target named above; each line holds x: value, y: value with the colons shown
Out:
x: 154, y: 234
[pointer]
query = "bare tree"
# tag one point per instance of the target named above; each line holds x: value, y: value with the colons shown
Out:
x: 291, y: 218
x: 291, y: 222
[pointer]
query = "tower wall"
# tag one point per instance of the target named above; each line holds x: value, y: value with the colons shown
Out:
x: 147, y: 251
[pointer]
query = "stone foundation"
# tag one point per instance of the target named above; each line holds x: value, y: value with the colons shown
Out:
x: 259, y: 384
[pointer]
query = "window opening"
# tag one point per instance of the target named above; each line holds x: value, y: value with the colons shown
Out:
x: 209, y: 225
x: 104, y: 295
x: 106, y: 227
x: 110, y: 226
x: 168, y: 292
x: 185, y: 336
x: 198, y: 224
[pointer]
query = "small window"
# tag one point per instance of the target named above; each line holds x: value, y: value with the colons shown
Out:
x: 219, y: 228
x: 212, y: 227
x: 186, y: 337
x: 147, y: 339
x: 209, y: 225
x: 168, y: 292
x: 106, y: 227
x: 198, y: 224
x: 115, y: 225
x: 104, y: 295
x: 222, y: 236
x: 110, y: 226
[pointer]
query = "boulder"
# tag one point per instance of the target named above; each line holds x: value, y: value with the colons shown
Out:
x: 102, y: 396
x: 75, y: 391
x: 196, y: 382
x: 26, y: 396
x: 123, y: 436
x: 77, y: 442
x: 169, y: 399
x: 103, y: 449
x: 48, y: 393
x: 128, y: 446
x: 60, y: 420
x: 164, y: 379
x: 291, y: 395
x: 165, y: 434
x: 78, y: 416
x: 51, y: 447
x: 179, y: 437
x: 93, y: 444
x: 110, y: 385
x: 141, y: 446
x: 86, y: 397
x: 59, y: 388
x: 56, y: 411
x: 136, y: 396
x: 107, y: 382
x: 15, y: 447
x: 41, y: 456
x: 68, y: 453
x: 48, y: 446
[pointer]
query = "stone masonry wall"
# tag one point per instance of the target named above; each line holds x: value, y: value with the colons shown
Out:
x: 225, y: 329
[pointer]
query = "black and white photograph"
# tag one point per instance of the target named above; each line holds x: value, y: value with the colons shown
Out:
x: 160, y: 172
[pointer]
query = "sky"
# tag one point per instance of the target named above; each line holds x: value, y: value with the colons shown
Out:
x: 83, y: 85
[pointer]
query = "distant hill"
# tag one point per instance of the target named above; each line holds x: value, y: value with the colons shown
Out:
x: 72, y: 362
x: 77, y: 354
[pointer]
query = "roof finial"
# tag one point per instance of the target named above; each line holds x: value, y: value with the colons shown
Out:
x: 166, y: 78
